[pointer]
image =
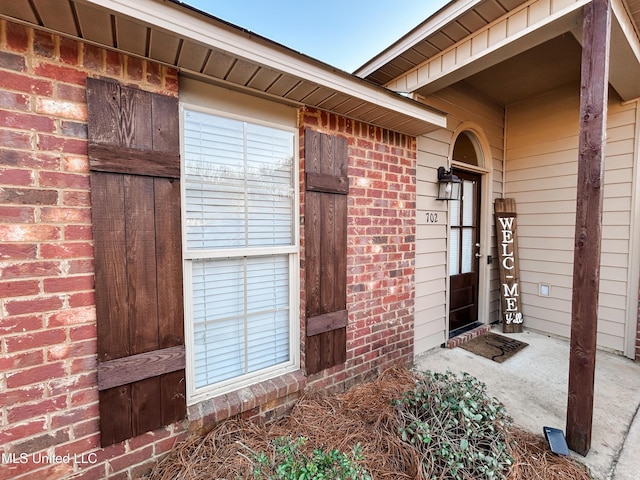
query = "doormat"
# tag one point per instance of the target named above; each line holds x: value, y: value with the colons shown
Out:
x: 494, y: 347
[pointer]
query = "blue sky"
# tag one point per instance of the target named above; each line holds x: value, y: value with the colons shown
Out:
x: 343, y: 33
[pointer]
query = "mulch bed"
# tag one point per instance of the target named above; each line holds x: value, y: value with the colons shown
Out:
x: 363, y: 415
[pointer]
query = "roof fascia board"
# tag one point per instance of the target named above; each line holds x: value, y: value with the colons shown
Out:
x: 429, y: 27
x: 197, y: 28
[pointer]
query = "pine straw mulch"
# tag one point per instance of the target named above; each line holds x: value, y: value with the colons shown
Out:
x: 363, y: 415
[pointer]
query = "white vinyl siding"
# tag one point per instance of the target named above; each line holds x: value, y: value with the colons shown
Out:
x: 541, y: 175
x: 240, y: 250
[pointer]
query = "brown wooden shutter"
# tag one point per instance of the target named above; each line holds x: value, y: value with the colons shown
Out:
x: 327, y: 187
x: 135, y: 199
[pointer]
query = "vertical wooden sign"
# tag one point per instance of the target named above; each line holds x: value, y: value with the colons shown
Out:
x: 507, y: 240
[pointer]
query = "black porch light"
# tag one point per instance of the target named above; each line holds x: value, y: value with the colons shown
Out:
x: 448, y: 185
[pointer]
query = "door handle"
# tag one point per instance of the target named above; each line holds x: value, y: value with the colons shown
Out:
x: 478, y: 255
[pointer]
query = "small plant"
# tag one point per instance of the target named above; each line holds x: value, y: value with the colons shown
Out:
x: 458, y: 429
x: 287, y: 462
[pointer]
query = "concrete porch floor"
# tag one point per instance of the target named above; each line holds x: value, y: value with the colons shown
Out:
x: 533, y: 387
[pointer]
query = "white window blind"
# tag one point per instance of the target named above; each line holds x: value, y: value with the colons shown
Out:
x: 454, y: 251
x: 239, y: 183
x: 468, y: 206
x: 455, y: 213
x: 240, y: 316
x: 467, y: 250
x: 240, y: 237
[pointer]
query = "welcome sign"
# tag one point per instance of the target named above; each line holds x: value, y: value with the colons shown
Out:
x: 506, y: 238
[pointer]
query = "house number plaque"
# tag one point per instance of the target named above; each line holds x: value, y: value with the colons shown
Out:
x: 431, y: 217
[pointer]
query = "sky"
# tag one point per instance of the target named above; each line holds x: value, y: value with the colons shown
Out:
x: 343, y: 33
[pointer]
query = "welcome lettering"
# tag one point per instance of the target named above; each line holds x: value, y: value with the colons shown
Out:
x: 512, y: 317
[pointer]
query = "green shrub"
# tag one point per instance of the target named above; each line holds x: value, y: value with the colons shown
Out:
x: 458, y: 429
x: 287, y: 462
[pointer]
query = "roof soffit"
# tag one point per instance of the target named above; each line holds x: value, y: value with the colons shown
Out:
x: 624, y: 61
x: 217, y: 51
x: 431, y: 26
x: 458, y: 15
x: 524, y: 26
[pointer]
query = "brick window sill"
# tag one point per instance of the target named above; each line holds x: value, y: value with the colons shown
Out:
x: 254, y: 401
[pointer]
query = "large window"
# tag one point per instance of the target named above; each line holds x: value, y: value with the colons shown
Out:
x: 240, y: 250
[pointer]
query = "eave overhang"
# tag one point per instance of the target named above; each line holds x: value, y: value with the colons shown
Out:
x: 519, y: 29
x: 199, y: 45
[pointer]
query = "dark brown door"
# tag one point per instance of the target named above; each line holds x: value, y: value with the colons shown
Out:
x: 464, y: 254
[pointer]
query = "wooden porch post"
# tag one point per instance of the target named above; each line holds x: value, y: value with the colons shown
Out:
x: 586, y: 263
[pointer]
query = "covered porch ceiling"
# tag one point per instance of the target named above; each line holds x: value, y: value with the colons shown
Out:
x: 540, y: 69
x: 510, y: 50
x: 199, y: 45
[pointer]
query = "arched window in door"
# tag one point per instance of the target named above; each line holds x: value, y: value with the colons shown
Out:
x: 466, y: 149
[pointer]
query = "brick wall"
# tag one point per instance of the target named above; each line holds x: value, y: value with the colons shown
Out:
x: 48, y: 394
x: 48, y: 384
x: 381, y: 248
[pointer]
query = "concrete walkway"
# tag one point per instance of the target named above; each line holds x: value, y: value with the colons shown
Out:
x: 533, y: 387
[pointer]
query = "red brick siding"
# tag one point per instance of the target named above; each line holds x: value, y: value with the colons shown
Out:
x: 381, y: 248
x: 48, y: 393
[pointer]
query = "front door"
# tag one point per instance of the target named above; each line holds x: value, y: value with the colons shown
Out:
x: 464, y: 254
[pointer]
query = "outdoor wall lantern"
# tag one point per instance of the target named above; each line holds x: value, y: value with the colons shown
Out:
x: 448, y: 185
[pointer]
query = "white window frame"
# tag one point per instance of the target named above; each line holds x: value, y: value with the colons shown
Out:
x: 195, y: 395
